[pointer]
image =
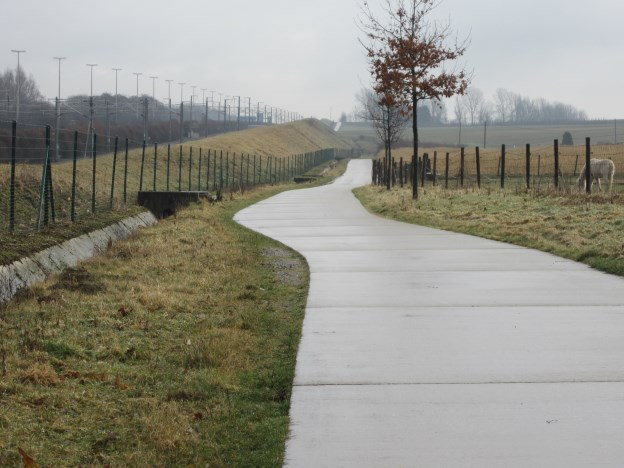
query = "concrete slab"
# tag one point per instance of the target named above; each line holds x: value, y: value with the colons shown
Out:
x: 468, y: 288
x: 359, y: 346
x: 430, y: 260
x: 426, y: 348
x: 509, y: 425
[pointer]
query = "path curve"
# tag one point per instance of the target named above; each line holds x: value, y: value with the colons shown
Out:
x: 427, y: 348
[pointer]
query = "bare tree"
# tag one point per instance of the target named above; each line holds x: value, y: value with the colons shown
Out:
x: 486, y: 112
x: 504, y: 102
x: 473, y: 101
x: 388, y: 123
x: 460, y: 110
x: 437, y: 108
x: 408, y: 53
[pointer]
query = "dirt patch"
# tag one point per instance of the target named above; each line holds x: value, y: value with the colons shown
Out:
x: 287, y: 266
x: 78, y: 279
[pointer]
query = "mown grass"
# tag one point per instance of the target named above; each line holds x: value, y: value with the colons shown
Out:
x: 585, y: 229
x: 175, y: 348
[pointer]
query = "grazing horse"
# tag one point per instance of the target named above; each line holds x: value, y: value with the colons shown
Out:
x: 598, y: 169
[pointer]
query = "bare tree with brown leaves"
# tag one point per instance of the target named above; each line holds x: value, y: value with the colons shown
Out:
x: 408, y: 54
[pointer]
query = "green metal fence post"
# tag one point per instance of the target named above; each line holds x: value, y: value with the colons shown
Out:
x: 112, y: 192
x: 190, y: 168
x: 94, y: 157
x: 155, y: 164
x: 180, y: 171
x: 72, y: 213
x: 199, y: 170
x: 168, y: 163
x: 12, y: 186
x: 142, y: 166
x: 125, y: 187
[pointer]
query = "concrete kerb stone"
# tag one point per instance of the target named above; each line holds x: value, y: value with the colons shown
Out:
x: 27, y: 271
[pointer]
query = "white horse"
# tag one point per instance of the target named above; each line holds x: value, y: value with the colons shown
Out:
x: 598, y: 169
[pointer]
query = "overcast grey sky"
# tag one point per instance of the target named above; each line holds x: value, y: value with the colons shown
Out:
x: 304, y: 55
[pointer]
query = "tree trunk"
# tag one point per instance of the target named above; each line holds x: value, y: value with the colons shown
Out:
x: 415, y: 155
x: 388, y: 152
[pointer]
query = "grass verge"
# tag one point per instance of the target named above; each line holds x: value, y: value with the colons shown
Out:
x: 18, y: 246
x: 584, y: 229
x: 177, y: 347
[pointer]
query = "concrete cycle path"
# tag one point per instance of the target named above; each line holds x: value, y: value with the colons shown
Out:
x: 425, y: 348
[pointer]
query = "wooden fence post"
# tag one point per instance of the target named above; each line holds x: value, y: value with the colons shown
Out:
x: 478, y: 159
x: 528, y: 166
x: 588, y: 166
x: 502, y: 167
x: 446, y: 171
x: 462, y: 163
x: 556, y: 180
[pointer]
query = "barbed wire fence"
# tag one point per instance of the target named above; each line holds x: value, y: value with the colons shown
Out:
x: 36, y: 191
x: 553, y: 167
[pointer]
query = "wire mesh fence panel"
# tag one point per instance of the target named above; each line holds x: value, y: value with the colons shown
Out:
x: 47, y: 178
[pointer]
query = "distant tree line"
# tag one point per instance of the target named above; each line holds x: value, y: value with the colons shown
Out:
x: 473, y: 108
x: 507, y: 107
x: 119, y: 115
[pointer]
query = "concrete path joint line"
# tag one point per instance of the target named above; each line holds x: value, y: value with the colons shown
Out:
x: 513, y: 357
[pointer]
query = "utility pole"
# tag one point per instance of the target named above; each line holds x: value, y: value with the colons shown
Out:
x: 238, y: 119
x: 17, y: 80
x: 58, y: 110
x: 154, y: 96
x: 212, y: 101
x: 192, y: 96
x: 181, y: 111
x: 169, y: 96
x: 484, y: 134
x: 203, y: 90
x: 116, y: 106
x: 137, y: 109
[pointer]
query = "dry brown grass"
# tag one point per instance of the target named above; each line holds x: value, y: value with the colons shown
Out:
x: 175, y: 348
x: 573, y: 226
x: 185, y: 173
x: 571, y: 161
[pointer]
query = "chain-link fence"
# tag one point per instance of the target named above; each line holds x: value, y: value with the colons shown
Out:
x: 35, y: 191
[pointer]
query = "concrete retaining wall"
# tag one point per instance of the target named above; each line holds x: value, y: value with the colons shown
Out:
x: 24, y: 272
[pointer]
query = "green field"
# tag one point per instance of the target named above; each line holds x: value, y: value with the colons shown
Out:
x: 603, y: 132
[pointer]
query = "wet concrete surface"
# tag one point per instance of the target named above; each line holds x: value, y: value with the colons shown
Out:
x: 427, y: 348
